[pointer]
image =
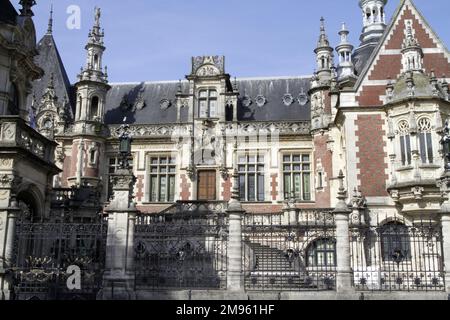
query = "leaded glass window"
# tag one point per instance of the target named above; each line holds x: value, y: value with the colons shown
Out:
x: 297, y: 176
x: 251, y: 178
x: 162, y: 179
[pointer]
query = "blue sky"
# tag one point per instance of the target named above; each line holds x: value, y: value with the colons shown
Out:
x: 154, y: 39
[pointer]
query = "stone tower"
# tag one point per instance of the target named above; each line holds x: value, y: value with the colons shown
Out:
x: 89, y: 129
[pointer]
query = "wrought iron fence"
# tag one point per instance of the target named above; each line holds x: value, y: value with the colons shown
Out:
x: 290, y: 253
x: 181, y: 249
x: 397, y: 256
x: 43, y: 253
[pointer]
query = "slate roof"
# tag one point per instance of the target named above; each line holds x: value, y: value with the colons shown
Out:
x: 50, y: 61
x: 7, y: 12
x: 361, y: 57
x: 272, y: 89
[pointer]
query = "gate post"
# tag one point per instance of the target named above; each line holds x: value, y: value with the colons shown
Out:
x: 444, y: 183
x: 342, y: 213
x: 8, y: 218
x: 118, y: 280
x: 235, y: 276
x: 119, y: 276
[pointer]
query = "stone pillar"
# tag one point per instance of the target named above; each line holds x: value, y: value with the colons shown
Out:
x: 235, y: 275
x: 444, y: 184
x: 8, y: 216
x: 119, y: 277
x: 344, y: 282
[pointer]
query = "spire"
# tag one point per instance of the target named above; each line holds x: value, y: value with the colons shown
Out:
x: 412, y: 53
x: 50, y: 22
x: 323, y: 39
x: 345, y: 68
x: 324, y: 54
x: 93, y: 69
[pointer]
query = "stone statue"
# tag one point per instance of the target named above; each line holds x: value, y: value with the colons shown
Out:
x: 98, y: 14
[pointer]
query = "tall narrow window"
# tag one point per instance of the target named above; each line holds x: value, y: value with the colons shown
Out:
x: 13, y: 100
x: 94, y: 107
x: 297, y: 176
x: 425, y: 140
x: 162, y: 179
x: 405, y: 143
x: 251, y: 178
x: 207, y: 104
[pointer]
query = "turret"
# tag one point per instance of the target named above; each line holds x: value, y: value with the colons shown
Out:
x: 324, y: 55
x: 374, y: 20
x: 92, y: 84
x: 412, y: 54
x: 345, y: 69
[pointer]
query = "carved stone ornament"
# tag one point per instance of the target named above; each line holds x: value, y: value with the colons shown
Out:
x: 288, y: 99
x: 208, y: 71
x: 247, y: 101
x: 303, y: 99
x: 165, y: 104
x: 139, y: 104
x: 260, y: 100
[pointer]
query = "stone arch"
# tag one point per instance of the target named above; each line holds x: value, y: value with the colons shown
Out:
x: 29, y: 197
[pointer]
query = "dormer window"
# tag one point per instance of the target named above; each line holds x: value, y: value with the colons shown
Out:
x: 207, y: 104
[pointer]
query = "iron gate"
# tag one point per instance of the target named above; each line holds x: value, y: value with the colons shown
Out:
x: 285, y: 254
x: 45, y: 251
x: 184, y: 247
x: 397, y: 256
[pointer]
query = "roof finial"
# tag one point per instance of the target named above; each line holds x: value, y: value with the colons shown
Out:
x: 26, y: 7
x: 322, y: 25
x: 50, y: 21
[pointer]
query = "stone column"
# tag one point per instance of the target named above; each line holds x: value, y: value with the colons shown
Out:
x: 118, y: 280
x: 8, y: 214
x: 235, y: 275
x: 444, y: 183
x: 344, y: 282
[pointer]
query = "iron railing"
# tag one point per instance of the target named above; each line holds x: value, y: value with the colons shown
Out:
x: 398, y: 256
x: 181, y: 250
x: 283, y: 253
x: 43, y: 253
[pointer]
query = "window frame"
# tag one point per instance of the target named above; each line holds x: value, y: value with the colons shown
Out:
x: 301, y: 194
x: 399, y: 238
x: 312, y: 253
x: 169, y: 195
x: 404, y: 138
x: 425, y: 137
x: 259, y: 177
x: 208, y: 100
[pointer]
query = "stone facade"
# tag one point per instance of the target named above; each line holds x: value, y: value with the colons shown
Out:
x: 272, y: 145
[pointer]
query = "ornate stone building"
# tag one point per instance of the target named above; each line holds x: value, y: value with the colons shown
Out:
x: 283, y: 150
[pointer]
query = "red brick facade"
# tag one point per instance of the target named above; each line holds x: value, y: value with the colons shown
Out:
x: 226, y: 189
x: 140, y: 188
x: 185, y: 188
x: 389, y: 65
x: 372, y: 157
x: 274, y: 187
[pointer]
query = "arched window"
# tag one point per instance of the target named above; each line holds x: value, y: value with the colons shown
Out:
x: 395, y: 242
x: 425, y: 140
x: 94, y: 107
x: 322, y: 253
x: 14, y: 101
x: 96, y: 66
x: 405, y: 142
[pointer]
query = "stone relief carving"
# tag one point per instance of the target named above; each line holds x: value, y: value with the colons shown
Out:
x: 260, y: 100
x: 317, y: 105
x: 288, y: 99
x: 165, y: 104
